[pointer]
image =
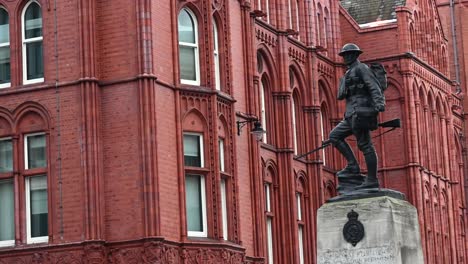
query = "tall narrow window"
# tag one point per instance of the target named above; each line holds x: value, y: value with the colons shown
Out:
x: 297, y: 19
x: 221, y: 154
x: 195, y: 186
x: 216, y: 57
x: 7, y: 220
x: 4, y: 49
x: 267, y: 7
x: 188, y: 48
x: 294, y: 124
x: 263, y: 109
x: 36, y: 188
x: 300, y: 228
x: 224, y: 208
x: 290, y: 14
x: 36, y: 209
x: 322, y: 125
x: 33, y: 65
x: 35, y: 154
x: 6, y: 155
x: 269, y: 223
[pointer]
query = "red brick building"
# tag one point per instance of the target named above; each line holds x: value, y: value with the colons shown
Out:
x: 120, y: 139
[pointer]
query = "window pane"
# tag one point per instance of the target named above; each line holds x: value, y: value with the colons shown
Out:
x: 186, y: 27
x: 192, y: 155
x: 187, y: 63
x: 301, y: 245
x: 36, y: 151
x: 6, y: 156
x: 194, y: 203
x: 270, y: 240
x: 224, y: 208
x: 33, y: 21
x: 4, y: 26
x: 221, y: 154
x: 5, y: 76
x: 38, y: 203
x: 34, y: 60
x: 7, y: 220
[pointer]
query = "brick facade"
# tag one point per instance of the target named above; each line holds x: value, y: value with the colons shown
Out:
x: 115, y: 112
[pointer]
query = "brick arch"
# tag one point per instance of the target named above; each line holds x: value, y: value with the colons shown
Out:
x: 269, y: 62
x: 325, y: 93
x: 31, y: 117
x: 194, y: 9
x: 329, y: 189
x: 194, y: 121
x: 301, y: 181
x: 270, y: 170
x: 430, y: 99
x: 222, y: 126
x: 299, y: 76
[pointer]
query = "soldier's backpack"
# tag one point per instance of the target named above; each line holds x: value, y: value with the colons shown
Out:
x: 379, y: 73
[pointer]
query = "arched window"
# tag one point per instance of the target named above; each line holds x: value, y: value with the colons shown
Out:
x: 320, y: 34
x: 216, y: 57
x: 294, y: 124
x: 188, y: 48
x: 4, y: 49
x: 263, y: 109
x: 33, y: 64
x: 270, y: 202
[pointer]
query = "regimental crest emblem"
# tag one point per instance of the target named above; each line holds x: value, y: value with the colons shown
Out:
x: 353, y: 230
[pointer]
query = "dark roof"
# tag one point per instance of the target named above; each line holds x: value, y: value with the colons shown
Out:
x: 367, y: 11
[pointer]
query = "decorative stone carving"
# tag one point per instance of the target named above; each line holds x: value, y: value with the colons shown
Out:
x: 68, y: 258
x: 124, y: 256
x: 95, y: 254
x: 41, y: 258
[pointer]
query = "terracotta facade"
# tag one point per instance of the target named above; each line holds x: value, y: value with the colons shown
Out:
x: 115, y: 111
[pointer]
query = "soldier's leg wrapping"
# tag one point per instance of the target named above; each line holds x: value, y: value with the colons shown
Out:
x: 337, y: 137
x: 365, y: 145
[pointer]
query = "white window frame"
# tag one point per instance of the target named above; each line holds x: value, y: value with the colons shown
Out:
x: 27, y: 41
x: 26, y: 165
x: 268, y: 10
x: 323, y: 138
x: 263, y: 110
x: 191, y: 45
x: 221, y: 154
x: 203, y: 233
x: 290, y: 14
x: 11, y: 139
x: 7, y: 44
x: 224, y: 209
x: 8, y: 243
x: 270, y: 240
x: 294, y: 124
x: 29, y: 239
x: 300, y: 235
x: 216, y: 57
x: 297, y: 19
x: 267, y: 197
x: 299, y: 206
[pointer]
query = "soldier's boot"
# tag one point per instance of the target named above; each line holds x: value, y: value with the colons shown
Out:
x: 347, y: 152
x: 371, y: 180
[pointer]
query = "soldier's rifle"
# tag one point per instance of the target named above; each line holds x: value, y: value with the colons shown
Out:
x: 393, y: 124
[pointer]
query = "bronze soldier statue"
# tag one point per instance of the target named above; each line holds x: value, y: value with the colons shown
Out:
x: 364, y: 100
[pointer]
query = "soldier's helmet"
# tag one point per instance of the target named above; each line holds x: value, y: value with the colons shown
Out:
x: 350, y: 47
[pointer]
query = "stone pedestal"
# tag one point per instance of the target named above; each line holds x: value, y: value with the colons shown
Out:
x: 390, y: 232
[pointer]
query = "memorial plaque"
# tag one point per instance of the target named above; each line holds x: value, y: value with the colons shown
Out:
x: 374, y: 255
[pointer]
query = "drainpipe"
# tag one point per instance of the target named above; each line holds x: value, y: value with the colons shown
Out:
x: 455, y: 48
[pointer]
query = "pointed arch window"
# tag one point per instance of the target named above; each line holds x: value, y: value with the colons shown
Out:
x: 263, y: 108
x: 216, y: 57
x: 294, y: 124
x: 33, y: 64
x: 5, y: 77
x: 189, y: 64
